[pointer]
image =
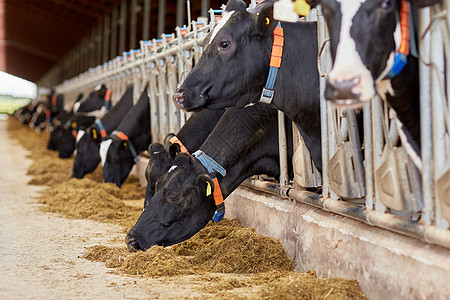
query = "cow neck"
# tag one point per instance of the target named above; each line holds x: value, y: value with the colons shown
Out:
x: 176, y: 140
x: 125, y: 138
x: 400, y: 59
x: 275, y: 63
x: 212, y: 167
x: 101, y: 128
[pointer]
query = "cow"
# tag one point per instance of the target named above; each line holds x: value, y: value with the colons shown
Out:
x: 88, y: 142
x: 235, y: 65
x: 190, y: 137
x: 95, y: 105
x: 119, y: 150
x: 243, y: 143
x: 371, y: 54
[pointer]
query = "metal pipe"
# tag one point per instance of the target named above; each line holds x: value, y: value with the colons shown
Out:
x: 282, y: 146
x: 133, y: 23
x: 146, y: 20
x: 114, y: 20
x: 106, y: 38
x: 425, y: 119
x: 161, y: 17
x: 368, y: 155
x: 205, y: 8
x: 98, y: 41
x: 122, y: 25
x: 180, y: 12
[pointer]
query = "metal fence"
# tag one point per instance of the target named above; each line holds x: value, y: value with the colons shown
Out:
x: 381, y: 185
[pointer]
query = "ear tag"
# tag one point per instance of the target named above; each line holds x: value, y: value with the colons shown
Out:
x: 74, y: 124
x: 94, y: 134
x: 208, y: 188
x: 283, y: 10
x: 125, y: 144
x: 267, y: 21
x: 301, y: 7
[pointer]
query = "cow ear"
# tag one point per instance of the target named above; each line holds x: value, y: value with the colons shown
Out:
x: 174, y: 149
x: 266, y: 22
x: 312, y: 3
x: 205, y: 182
x: 102, y: 91
x: 156, y: 149
x: 236, y: 5
x: 182, y: 159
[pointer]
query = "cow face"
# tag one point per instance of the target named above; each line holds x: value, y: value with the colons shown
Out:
x: 93, y: 105
x: 179, y: 208
x: 67, y: 134
x: 233, y: 64
x: 158, y: 164
x: 364, y: 35
x: 86, y: 154
x: 116, y: 159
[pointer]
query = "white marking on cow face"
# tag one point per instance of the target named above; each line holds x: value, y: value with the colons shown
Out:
x: 173, y: 168
x: 226, y: 16
x: 76, y: 106
x: 80, y: 135
x: 103, y: 151
x: 348, y: 63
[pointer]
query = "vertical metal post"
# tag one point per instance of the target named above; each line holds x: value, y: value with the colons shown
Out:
x: 368, y: 155
x: 205, y: 8
x: 98, y: 46
x: 282, y: 148
x: 161, y: 16
x: 133, y: 25
x: 114, y: 19
x: 92, y: 49
x: 122, y: 25
x: 146, y: 21
x: 425, y: 118
x: 378, y: 143
x: 106, y: 39
x: 180, y: 12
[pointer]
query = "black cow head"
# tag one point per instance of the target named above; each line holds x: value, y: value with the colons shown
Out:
x: 92, y: 105
x: 234, y: 63
x: 179, y: 208
x: 116, y: 159
x: 86, y: 152
x: 364, y: 36
x: 67, y: 134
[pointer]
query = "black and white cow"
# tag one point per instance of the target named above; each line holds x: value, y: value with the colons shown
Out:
x: 119, y: 150
x: 365, y: 37
x: 191, y: 136
x: 244, y: 142
x: 95, y: 105
x: 88, y: 142
x: 234, y: 68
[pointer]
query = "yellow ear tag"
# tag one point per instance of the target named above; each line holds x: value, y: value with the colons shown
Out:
x: 267, y: 21
x: 208, y: 188
x: 74, y: 124
x: 94, y: 134
x: 125, y: 144
x: 301, y: 7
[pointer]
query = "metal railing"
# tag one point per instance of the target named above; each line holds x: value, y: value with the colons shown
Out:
x: 381, y: 185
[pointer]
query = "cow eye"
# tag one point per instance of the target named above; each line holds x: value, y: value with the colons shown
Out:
x: 224, y: 45
x: 386, y: 3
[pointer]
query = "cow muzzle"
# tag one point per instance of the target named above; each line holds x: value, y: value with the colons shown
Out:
x: 132, y: 242
x: 179, y: 98
x: 342, y: 92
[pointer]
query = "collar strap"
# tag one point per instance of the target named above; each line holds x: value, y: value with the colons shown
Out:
x: 47, y: 115
x: 212, y: 166
x: 403, y: 52
x: 54, y: 100
x: 124, y: 138
x: 275, y: 63
x: 176, y: 140
x: 108, y: 99
x: 101, y: 128
x: 75, y: 133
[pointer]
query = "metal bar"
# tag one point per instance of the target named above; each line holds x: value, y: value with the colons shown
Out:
x: 106, y: 38
x: 180, y: 12
x: 205, y: 8
x: 133, y: 23
x: 146, y: 20
x: 282, y: 144
x: 98, y: 41
x: 368, y: 155
x: 161, y: 17
x: 425, y: 118
x: 122, y: 25
x: 114, y: 21
x: 378, y: 144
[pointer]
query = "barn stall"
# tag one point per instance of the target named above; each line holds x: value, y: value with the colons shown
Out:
x: 368, y: 210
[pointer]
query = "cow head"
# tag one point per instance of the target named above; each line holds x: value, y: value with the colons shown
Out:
x: 94, y: 105
x: 67, y: 134
x: 86, y: 152
x: 234, y: 63
x: 116, y: 159
x: 179, y: 208
x: 364, y: 37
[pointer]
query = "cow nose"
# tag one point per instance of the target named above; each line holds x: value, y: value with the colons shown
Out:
x: 132, y: 242
x: 341, y: 89
x: 178, y: 98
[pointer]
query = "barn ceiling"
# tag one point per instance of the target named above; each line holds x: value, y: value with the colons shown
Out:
x: 36, y: 34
